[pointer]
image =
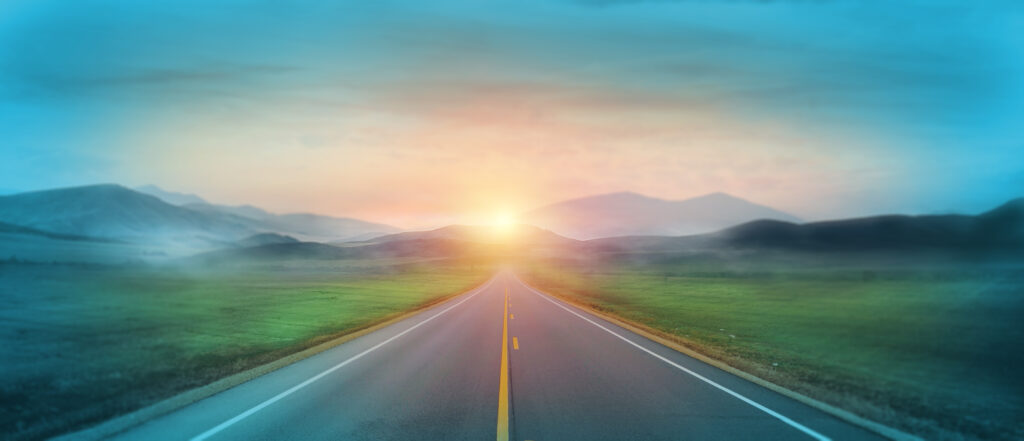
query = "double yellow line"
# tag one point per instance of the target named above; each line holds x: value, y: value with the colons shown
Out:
x: 503, y: 397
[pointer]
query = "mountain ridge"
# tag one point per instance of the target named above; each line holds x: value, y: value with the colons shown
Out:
x: 304, y: 226
x: 521, y: 233
x: 171, y: 197
x: 113, y: 211
x: 629, y: 213
x: 998, y: 229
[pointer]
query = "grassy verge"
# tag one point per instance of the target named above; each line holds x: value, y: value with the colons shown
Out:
x: 930, y: 351
x: 83, y: 344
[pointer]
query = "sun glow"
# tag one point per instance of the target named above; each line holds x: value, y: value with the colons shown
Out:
x: 503, y: 223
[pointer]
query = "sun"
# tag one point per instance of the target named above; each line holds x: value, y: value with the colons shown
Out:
x: 503, y: 223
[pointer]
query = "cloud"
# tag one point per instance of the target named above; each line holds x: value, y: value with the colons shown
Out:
x: 343, y: 104
x: 136, y: 79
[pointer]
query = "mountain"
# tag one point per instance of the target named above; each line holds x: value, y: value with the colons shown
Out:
x: 25, y: 244
x: 273, y: 252
x: 1003, y: 224
x: 304, y: 226
x: 171, y: 197
x: 519, y: 234
x: 110, y: 211
x: 447, y: 242
x: 631, y: 214
x: 246, y: 211
x: 265, y: 239
x: 1000, y: 229
x: 114, y: 212
x: 10, y: 229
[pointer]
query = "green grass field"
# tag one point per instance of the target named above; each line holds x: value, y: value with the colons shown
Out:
x: 932, y: 351
x: 86, y: 343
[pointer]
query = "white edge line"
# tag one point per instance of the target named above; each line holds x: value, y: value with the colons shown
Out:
x: 700, y: 377
x: 293, y: 389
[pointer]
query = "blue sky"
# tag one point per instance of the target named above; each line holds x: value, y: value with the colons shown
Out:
x: 417, y: 114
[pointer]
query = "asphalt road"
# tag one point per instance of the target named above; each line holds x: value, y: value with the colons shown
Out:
x: 448, y: 374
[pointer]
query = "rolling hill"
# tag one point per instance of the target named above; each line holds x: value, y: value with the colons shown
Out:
x: 303, y: 226
x: 10, y: 229
x: 631, y: 214
x: 262, y: 239
x: 276, y: 252
x: 445, y: 242
x: 1000, y: 229
x: 520, y: 234
x: 114, y: 212
x: 171, y: 197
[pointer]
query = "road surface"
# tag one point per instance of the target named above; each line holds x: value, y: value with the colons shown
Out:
x: 500, y: 362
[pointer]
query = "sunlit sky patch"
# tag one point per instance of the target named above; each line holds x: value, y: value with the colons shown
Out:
x: 425, y: 113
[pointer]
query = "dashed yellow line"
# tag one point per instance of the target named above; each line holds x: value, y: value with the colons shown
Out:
x: 515, y: 343
x: 503, y: 381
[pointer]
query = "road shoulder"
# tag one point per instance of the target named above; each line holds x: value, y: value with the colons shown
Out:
x: 127, y: 421
x: 675, y: 343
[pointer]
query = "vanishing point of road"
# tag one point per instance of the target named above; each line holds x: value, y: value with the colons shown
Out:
x: 504, y: 362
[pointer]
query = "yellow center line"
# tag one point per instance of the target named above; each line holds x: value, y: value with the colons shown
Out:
x: 503, y: 381
x: 515, y: 343
x: 512, y: 316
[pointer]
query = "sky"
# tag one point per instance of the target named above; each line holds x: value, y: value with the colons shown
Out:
x: 420, y: 114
